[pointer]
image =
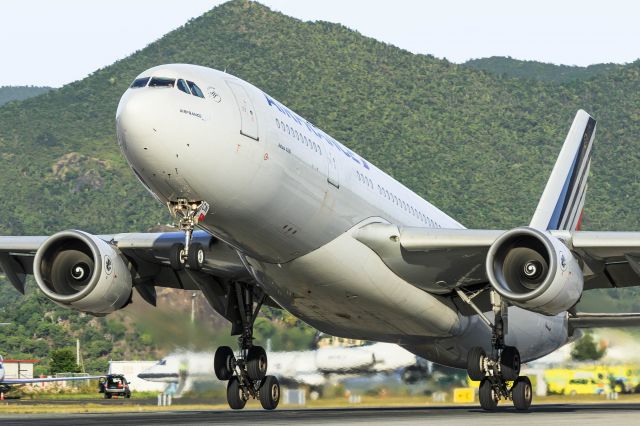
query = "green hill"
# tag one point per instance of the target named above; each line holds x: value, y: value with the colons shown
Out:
x: 19, y: 93
x: 509, y: 67
x: 477, y: 145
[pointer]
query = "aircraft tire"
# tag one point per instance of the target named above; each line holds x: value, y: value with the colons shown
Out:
x: 488, y: 400
x: 235, y: 397
x: 175, y: 257
x: 269, y: 393
x: 195, y: 259
x: 223, y: 363
x: 257, y: 363
x: 474, y: 363
x: 522, y: 393
x: 510, y: 363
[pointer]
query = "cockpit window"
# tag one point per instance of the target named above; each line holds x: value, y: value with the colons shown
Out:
x: 162, y: 82
x: 195, y: 89
x: 183, y: 86
x: 139, y: 82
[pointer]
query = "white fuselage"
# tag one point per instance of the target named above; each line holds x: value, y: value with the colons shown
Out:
x: 286, y: 196
x: 313, y: 367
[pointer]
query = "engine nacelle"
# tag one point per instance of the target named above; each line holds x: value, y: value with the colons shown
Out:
x: 535, y: 271
x: 80, y: 271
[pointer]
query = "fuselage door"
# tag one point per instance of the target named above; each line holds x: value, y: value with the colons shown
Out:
x: 248, y: 117
x: 333, y: 172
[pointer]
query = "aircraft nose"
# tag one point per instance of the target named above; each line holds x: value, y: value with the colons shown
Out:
x: 149, y: 137
x: 137, y: 125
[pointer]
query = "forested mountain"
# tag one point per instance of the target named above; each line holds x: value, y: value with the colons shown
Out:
x: 19, y: 93
x: 535, y: 70
x: 479, y: 146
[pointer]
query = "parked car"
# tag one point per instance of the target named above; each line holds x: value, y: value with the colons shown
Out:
x: 114, y: 385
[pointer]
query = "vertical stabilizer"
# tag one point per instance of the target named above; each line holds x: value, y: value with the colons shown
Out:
x: 560, y: 206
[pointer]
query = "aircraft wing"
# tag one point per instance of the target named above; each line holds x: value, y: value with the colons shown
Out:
x: 148, y: 257
x: 440, y: 260
x: 46, y: 379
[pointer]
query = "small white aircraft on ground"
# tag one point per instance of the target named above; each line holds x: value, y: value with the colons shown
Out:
x: 312, y: 368
x: 6, y: 384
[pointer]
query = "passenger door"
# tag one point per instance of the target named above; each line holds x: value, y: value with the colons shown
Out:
x: 248, y: 117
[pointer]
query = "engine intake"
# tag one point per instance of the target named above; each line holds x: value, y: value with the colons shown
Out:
x: 80, y: 271
x: 535, y: 271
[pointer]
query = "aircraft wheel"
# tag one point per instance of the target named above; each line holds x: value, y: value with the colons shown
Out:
x: 257, y: 363
x: 195, y: 258
x: 522, y: 393
x: 269, y: 393
x: 175, y: 257
x: 235, y: 396
x: 510, y: 363
x: 488, y: 398
x: 107, y: 395
x: 223, y: 363
x: 475, y: 359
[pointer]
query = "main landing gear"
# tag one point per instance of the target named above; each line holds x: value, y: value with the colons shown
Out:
x: 499, y: 372
x: 247, y: 372
x: 188, y: 214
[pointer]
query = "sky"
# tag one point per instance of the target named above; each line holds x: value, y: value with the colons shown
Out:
x: 45, y: 42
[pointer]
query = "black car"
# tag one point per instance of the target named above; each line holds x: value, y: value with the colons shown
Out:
x: 114, y: 385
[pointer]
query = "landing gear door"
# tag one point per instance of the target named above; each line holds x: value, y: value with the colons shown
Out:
x: 248, y: 117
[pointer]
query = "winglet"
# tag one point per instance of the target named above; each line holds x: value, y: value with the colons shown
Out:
x: 560, y: 206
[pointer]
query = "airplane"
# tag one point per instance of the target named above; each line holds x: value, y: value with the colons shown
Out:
x: 6, y: 384
x: 273, y: 211
x: 313, y: 368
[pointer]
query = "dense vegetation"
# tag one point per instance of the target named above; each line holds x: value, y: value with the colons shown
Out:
x: 478, y: 145
x: 507, y: 66
x: 19, y: 93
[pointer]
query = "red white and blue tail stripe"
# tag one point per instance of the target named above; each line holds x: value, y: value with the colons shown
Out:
x: 562, y: 201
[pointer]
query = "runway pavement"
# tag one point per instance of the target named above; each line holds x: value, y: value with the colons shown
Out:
x: 552, y: 414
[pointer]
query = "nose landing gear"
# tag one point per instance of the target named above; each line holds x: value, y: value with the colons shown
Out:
x: 247, y: 372
x: 187, y: 214
x: 498, y: 373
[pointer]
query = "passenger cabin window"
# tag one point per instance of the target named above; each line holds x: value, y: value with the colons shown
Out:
x: 162, y: 82
x: 182, y: 86
x: 139, y: 82
x: 195, y: 90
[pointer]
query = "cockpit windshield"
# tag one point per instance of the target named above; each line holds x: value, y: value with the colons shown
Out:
x: 195, y: 90
x: 139, y: 82
x: 162, y: 82
x: 186, y: 86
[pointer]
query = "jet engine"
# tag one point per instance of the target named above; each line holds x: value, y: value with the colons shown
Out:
x: 534, y: 270
x: 80, y: 271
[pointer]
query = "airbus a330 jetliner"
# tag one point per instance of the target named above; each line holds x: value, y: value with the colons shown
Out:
x: 287, y: 216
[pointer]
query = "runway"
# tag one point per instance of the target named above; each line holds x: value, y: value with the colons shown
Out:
x: 555, y: 414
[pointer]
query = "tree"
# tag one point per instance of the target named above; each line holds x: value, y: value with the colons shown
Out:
x: 63, y: 361
x: 586, y: 349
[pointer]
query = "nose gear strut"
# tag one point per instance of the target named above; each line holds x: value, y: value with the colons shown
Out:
x: 187, y: 215
x: 494, y: 371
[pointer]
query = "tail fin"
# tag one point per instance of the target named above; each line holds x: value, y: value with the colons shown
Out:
x: 562, y: 201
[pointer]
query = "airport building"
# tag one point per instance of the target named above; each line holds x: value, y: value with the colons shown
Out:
x: 19, y: 368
